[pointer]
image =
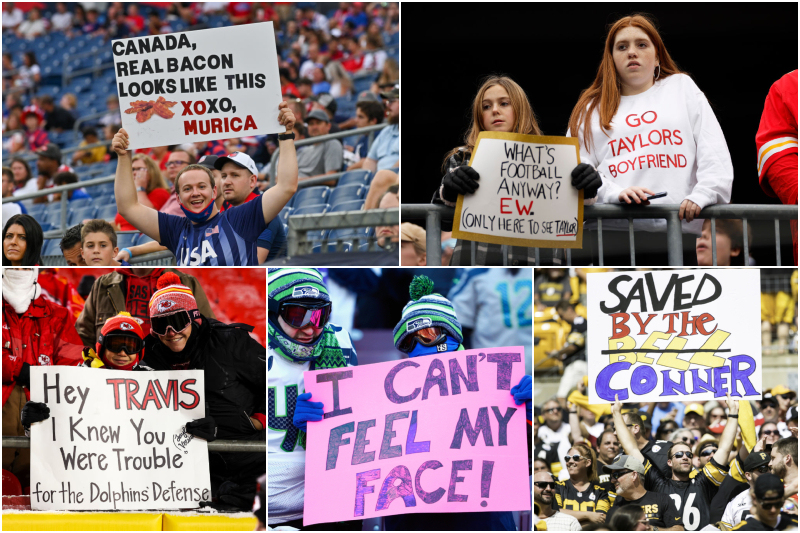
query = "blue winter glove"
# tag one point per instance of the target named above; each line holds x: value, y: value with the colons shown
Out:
x: 305, y: 411
x: 523, y: 392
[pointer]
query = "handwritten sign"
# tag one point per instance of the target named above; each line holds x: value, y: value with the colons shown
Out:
x: 199, y: 85
x: 116, y: 440
x: 432, y: 434
x: 674, y: 335
x: 525, y: 196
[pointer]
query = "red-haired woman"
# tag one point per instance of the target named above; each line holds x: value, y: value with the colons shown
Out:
x: 647, y: 128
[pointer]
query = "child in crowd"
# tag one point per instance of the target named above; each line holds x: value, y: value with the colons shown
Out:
x: 99, y: 244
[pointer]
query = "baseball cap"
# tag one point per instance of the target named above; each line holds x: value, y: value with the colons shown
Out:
x: 791, y: 413
x: 624, y: 462
x: 51, y: 151
x: 368, y: 96
x: 768, y: 484
x: 412, y: 233
x: 239, y: 158
x: 781, y: 389
x: 208, y: 161
x: 328, y: 102
x: 318, y: 114
x: 393, y: 94
x: 695, y: 408
x: 769, y: 400
x: 754, y: 460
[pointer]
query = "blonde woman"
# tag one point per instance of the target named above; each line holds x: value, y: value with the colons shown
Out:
x: 581, y: 495
x: 500, y: 105
x: 150, y: 186
x: 647, y: 128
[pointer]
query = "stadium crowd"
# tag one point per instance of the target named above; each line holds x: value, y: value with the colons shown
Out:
x: 120, y: 321
x: 338, y: 71
x: 686, y: 465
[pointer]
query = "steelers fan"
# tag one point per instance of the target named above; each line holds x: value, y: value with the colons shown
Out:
x: 581, y: 496
x: 767, y: 495
x: 692, y: 495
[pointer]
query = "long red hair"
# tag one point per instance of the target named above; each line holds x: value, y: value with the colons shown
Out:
x: 604, y: 93
x: 524, y: 117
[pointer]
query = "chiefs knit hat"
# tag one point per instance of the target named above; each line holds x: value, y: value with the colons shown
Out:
x: 426, y: 309
x: 172, y: 296
x: 293, y: 284
x: 122, y: 325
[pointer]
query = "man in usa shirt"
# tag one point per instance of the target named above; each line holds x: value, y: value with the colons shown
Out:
x: 207, y: 236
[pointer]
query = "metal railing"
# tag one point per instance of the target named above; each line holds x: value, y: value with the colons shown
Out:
x: 433, y: 215
x: 216, y: 446
x: 30, y: 156
x: 299, y: 226
x: 370, y: 130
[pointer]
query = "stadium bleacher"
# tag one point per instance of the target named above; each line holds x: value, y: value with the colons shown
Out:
x: 82, y: 65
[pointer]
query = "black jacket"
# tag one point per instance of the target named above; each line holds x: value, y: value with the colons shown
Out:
x: 235, y: 373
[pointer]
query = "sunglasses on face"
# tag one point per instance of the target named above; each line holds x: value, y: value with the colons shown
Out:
x: 617, y: 475
x: 575, y: 458
x: 770, y: 432
x: 785, y: 396
x: 687, y: 440
x: 771, y: 505
x: 544, y: 485
x: 762, y: 469
x: 553, y: 410
x: 708, y: 451
x: 177, y: 321
x: 688, y: 454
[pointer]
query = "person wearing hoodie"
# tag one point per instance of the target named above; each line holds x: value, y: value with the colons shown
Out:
x: 36, y: 331
x: 429, y: 325
x: 233, y: 364
x: 301, y: 338
x: 129, y: 290
x: 119, y: 347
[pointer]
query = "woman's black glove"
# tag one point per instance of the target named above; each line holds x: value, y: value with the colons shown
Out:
x: 33, y: 412
x: 460, y: 180
x: 24, y: 377
x: 585, y: 177
x: 205, y: 428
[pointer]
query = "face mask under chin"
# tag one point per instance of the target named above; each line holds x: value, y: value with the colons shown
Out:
x: 294, y: 349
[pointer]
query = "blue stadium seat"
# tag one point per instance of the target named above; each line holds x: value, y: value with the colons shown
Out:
x: 78, y: 215
x: 107, y: 212
x: 362, y: 84
x: 80, y: 202
x: 353, y: 205
x: 143, y: 239
x: 315, y: 209
x: 310, y: 196
x: 346, y: 193
x: 284, y: 214
x: 360, y: 176
x: 37, y: 210
x: 126, y: 240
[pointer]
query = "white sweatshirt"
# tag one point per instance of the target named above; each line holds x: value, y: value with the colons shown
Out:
x: 666, y: 139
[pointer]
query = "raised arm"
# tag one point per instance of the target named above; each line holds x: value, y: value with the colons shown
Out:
x: 273, y: 200
x: 624, y: 435
x: 145, y: 219
x: 728, y: 434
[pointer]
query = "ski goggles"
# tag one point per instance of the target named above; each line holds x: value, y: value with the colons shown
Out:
x: 426, y: 336
x: 299, y: 315
x: 177, y: 321
x: 123, y: 343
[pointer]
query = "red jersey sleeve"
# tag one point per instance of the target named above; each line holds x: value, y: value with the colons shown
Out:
x: 777, y: 136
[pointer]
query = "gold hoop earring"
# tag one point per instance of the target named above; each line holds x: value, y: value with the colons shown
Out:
x: 659, y: 72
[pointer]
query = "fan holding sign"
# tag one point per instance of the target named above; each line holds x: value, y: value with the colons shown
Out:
x: 524, y: 180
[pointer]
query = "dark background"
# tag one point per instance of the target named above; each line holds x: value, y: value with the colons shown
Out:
x: 734, y: 52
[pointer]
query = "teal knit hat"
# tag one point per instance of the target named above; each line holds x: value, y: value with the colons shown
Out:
x: 426, y: 309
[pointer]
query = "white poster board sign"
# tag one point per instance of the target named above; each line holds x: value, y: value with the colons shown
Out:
x: 116, y: 440
x: 525, y: 195
x: 674, y: 335
x: 198, y: 86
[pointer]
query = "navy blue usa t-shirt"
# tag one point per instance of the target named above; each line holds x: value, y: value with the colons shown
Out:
x: 227, y: 239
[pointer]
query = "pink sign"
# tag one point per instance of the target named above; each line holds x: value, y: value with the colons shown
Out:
x: 433, y: 434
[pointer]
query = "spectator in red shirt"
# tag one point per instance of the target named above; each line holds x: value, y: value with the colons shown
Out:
x: 134, y: 20
x: 33, y: 117
x: 240, y: 12
x: 150, y: 186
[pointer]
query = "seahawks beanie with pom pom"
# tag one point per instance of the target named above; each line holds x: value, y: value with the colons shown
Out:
x: 426, y: 309
x: 294, y: 284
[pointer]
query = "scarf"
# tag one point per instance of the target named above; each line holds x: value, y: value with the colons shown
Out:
x: 20, y: 288
x: 324, y: 352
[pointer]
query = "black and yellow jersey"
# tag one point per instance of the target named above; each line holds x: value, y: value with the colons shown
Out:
x: 593, y: 500
x: 656, y: 452
x: 785, y: 521
x: 693, y: 497
x: 549, y: 454
x: 659, y: 509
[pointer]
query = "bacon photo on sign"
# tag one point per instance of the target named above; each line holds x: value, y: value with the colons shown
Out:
x: 144, y: 110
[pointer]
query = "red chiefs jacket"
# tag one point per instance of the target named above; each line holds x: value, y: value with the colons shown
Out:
x: 44, y: 335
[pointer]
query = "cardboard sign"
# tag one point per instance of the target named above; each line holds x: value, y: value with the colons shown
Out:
x: 116, y: 439
x: 674, y: 335
x: 525, y: 197
x: 199, y: 85
x: 433, y: 434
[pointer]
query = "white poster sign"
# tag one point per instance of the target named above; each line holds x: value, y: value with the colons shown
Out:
x: 525, y: 195
x: 116, y: 440
x: 674, y: 335
x: 198, y: 86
